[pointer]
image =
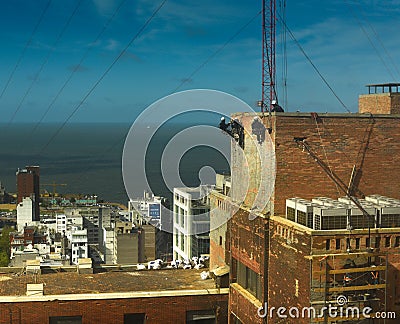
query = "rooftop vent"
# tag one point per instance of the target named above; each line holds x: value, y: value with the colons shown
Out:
x: 34, y: 289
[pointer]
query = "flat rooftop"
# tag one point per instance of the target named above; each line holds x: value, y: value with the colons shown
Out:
x: 106, y: 282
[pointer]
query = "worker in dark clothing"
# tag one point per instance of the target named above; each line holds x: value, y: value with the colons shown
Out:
x: 258, y: 129
x: 236, y: 127
x: 223, y: 125
x: 276, y: 107
x: 237, y: 132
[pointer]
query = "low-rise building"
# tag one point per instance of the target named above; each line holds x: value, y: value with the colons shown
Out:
x: 25, y: 240
x: 191, y: 222
x: 151, y: 297
x: 79, y: 245
x: 26, y: 213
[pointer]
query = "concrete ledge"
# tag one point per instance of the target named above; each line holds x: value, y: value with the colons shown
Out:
x: 320, y: 114
x: 120, y: 295
x: 246, y: 294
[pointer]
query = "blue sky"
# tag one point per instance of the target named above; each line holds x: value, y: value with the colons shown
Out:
x: 352, y: 43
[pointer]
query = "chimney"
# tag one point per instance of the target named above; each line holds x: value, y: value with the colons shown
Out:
x: 381, y: 99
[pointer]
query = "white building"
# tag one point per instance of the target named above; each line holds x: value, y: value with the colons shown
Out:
x: 108, y: 246
x: 61, y: 223
x: 146, y: 210
x: 191, y: 222
x: 79, y: 245
x: 25, y: 214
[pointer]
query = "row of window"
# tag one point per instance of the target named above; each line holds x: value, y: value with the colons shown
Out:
x: 223, y: 205
x: 181, y: 199
x: 285, y: 233
x: 197, y: 316
x: 355, y: 243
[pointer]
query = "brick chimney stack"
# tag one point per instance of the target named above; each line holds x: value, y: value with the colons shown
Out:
x: 381, y: 99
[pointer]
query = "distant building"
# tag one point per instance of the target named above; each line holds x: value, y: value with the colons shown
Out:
x: 25, y: 240
x: 219, y: 213
x: 79, y: 245
x: 191, y: 222
x: 28, y: 186
x: 134, y: 245
x: 26, y: 213
x: 61, y: 223
x: 127, y: 248
x: 94, y: 218
x: 108, y: 245
x: 146, y: 210
x: 5, y: 198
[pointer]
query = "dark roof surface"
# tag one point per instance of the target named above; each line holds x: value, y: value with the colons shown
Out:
x: 106, y: 282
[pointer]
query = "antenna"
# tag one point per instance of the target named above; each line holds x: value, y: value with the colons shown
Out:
x: 268, y: 54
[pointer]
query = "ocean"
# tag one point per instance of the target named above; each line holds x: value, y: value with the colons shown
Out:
x: 87, y: 157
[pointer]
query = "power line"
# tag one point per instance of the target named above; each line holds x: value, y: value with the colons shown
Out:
x: 361, y: 9
x: 76, y: 68
x: 284, y: 57
x: 25, y: 48
x: 121, y: 139
x: 313, y: 65
x: 103, y: 75
x: 216, y: 53
x: 45, y: 61
x: 370, y: 40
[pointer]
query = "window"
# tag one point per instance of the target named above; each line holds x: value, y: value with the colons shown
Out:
x: 397, y: 241
x: 387, y: 241
x: 249, y: 280
x: 328, y: 244
x: 134, y: 318
x: 220, y: 240
x: 377, y: 242
x: 337, y: 244
x: 348, y: 245
x: 65, y: 320
x: 368, y: 242
x: 357, y: 243
x: 200, y: 317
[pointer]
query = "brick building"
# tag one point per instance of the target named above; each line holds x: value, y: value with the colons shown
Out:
x: 28, y: 237
x: 28, y: 186
x: 154, y: 296
x: 357, y: 148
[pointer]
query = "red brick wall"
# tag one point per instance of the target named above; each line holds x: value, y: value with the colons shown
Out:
x: 219, y: 209
x: 242, y: 308
x: 247, y: 245
x: 158, y: 310
x: 247, y: 240
x: 341, y: 141
x: 288, y: 249
x: 338, y: 141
